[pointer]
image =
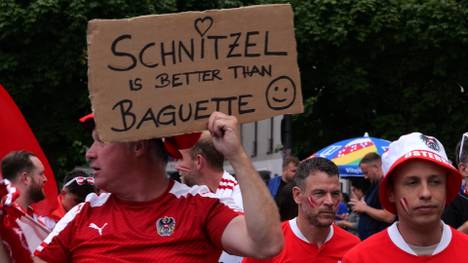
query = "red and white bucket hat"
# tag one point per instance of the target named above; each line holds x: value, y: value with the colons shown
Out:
x: 416, y: 146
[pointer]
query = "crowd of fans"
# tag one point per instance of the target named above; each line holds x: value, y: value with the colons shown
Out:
x: 412, y: 203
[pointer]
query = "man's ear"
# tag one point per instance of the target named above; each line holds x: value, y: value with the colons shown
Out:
x: 24, y: 178
x: 200, y: 162
x: 140, y: 147
x: 297, y: 194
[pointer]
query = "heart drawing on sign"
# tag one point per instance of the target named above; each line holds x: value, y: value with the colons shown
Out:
x: 202, y: 25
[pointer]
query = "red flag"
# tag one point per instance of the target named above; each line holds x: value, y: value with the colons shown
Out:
x: 15, y: 134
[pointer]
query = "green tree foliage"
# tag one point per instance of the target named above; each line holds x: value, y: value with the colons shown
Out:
x: 43, y: 63
x: 386, y: 67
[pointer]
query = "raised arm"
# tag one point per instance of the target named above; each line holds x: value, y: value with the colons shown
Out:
x: 257, y: 233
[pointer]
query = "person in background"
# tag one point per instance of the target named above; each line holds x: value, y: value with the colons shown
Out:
x: 312, y: 236
x: 77, y: 184
x: 372, y: 217
x: 286, y: 205
x: 456, y: 213
x: 277, y: 183
x: 419, y: 180
x: 351, y: 223
x: 281, y: 189
x: 203, y: 165
x: 342, y: 211
x: 23, y: 172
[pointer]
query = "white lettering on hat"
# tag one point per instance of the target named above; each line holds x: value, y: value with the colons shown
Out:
x: 425, y: 154
x: 431, y: 155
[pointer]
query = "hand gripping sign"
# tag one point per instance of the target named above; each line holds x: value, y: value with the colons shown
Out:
x: 163, y: 75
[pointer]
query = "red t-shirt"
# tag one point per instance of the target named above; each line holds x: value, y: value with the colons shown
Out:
x: 182, y: 225
x: 298, y: 249
x: 389, y: 246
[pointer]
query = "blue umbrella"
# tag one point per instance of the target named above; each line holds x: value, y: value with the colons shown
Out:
x: 348, y: 153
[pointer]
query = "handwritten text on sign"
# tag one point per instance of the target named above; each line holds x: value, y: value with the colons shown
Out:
x: 162, y: 75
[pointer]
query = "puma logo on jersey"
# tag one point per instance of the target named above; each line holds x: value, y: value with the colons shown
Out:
x: 99, y: 229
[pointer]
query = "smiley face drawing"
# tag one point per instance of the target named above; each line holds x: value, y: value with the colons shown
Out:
x: 281, y: 93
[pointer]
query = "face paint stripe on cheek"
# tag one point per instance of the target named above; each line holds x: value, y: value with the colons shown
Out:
x: 404, y: 204
x: 311, y: 202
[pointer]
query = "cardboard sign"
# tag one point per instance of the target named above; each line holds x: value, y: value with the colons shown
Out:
x: 162, y: 75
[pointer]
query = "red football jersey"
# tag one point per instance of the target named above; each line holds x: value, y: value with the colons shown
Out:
x: 389, y: 246
x: 185, y: 224
x: 298, y: 249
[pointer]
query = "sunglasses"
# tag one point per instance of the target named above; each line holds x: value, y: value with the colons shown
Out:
x: 80, y: 180
x: 464, y: 138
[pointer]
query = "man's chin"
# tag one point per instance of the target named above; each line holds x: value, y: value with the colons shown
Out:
x: 324, y: 223
x: 38, y: 197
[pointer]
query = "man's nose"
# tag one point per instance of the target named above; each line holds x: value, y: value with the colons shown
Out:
x: 328, y: 199
x: 90, y: 153
x: 425, y: 191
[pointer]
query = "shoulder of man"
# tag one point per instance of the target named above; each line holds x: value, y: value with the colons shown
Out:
x: 459, y: 237
x: 372, y: 245
x: 227, y: 182
x: 180, y: 190
x: 345, y: 236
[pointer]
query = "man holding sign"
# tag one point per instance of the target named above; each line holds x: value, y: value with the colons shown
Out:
x: 158, y: 76
x: 146, y: 217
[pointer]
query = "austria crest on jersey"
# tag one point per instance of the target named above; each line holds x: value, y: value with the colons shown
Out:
x: 165, y: 226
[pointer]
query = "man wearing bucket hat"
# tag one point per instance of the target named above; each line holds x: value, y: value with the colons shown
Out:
x: 146, y: 217
x: 418, y: 182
